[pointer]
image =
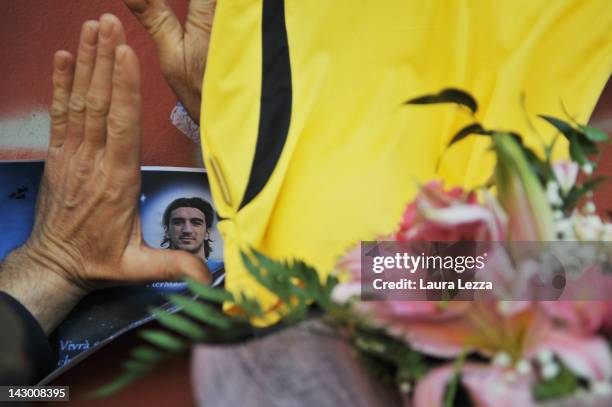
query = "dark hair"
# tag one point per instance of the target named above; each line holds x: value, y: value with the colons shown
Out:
x: 197, y: 203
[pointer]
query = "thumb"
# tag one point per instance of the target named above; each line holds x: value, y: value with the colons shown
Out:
x: 163, y: 264
x: 160, y: 21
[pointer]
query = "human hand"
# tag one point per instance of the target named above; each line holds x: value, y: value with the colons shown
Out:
x: 182, y: 51
x: 87, y: 230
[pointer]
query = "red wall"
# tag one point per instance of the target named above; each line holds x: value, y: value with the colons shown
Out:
x: 602, y: 118
x: 31, y: 31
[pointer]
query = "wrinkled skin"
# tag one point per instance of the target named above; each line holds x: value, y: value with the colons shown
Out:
x: 182, y: 51
x: 87, y: 230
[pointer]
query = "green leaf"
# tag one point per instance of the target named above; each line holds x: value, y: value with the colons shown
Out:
x: 330, y: 284
x: 474, y: 128
x: 163, y: 339
x: 180, y: 324
x: 564, y: 127
x: 201, y: 312
x: 297, y: 312
x: 389, y: 355
x: 571, y: 200
x: 577, y: 152
x: 587, y: 145
x: 580, y: 145
x: 137, y: 366
x: 594, y: 134
x: 146, y: 354
x: 250, y: 306
x: 564, y: 384
x: 453, y: 385
x: 539, y: 166
x: 270, y: 275
x: 209, y: 293
x: 312, y: 281
x: 297, y: 284
x: 448, y: 95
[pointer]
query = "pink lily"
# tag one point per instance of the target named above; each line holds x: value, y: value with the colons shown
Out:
x: 522, y: 340
x: 519, y: 331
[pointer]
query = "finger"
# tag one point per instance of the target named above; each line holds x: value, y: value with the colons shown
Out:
x: 168, y: 265
x: 161, y: 23
x: 124, y: 119
x: 86, y: 57
x: 198, y: 29
x: 98, y: 100
x: 63, y: 75
x: 200, y: 17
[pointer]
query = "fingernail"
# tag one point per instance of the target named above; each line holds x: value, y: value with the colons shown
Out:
x: 90, y: 33
x: 106, y: 27
x: 61, y: 62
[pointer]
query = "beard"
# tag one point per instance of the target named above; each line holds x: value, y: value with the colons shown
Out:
x: 192, y: 246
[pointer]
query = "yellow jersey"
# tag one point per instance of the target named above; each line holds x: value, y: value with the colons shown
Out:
x: 304, y: 132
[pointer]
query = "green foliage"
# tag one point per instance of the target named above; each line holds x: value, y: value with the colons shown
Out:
x: 297, y: 284
x: 594, y: 134
x: 209, y: 293
x: 200, y: 311
x: 448, y: 95
x: 200, y: 318
x: 453, y: 385
x: 578, y: 191
x: 163, y: 340
x: 146, y: 354
x: 564, y: 384
x: 180, y: 325
x: 387, y: 357
x: 474, y: 128
x: 582, y: 141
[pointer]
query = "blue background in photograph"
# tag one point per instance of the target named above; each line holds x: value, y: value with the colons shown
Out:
x: 17, y: 215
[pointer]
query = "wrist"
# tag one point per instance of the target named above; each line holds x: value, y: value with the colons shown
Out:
x: 39, y: 285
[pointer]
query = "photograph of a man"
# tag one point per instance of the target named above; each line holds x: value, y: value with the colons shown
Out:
x: 187, y: 223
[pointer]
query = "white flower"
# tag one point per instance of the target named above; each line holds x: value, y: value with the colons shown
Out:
x: 523, y: 367
x: 589, y: 207
x: 587, y: 168
x: 565, y: 172
x: 502, y: 359
x: 405, y: 387
x: 545, y: 356
x: 342, y: 293
x: 552, y: 194
x: 588, y: 228
x: 564, y: 229
x: 550, y: 370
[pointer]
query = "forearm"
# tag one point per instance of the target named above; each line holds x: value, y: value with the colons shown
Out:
x: 47, y: 295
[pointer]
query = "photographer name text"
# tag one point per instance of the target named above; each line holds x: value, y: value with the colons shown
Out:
x: 404, y: 262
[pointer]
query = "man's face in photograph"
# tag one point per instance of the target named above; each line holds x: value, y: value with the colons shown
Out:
x: 187, y: 229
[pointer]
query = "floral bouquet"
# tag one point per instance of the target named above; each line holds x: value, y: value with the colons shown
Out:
x: 508, y: 348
